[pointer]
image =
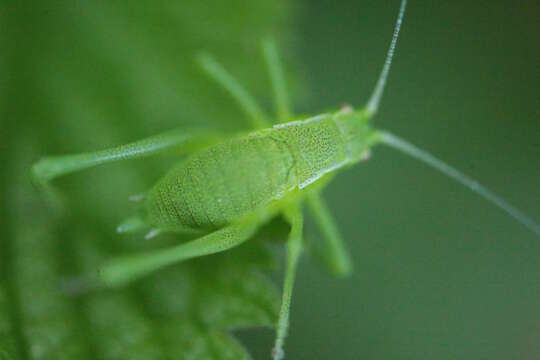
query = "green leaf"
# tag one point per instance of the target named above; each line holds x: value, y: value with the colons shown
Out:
x: 45, y: 314
x: 84, y: 76
x: 190, y: 342
x: 212, y: 295
x: 7, y: 338
x: 184, y: 311
x: 236, y: 295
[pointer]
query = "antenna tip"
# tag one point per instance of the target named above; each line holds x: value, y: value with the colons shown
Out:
x: 373, y: 103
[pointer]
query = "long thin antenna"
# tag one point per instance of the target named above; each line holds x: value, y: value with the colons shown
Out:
x: 422, y: 155
x: 373, y: 103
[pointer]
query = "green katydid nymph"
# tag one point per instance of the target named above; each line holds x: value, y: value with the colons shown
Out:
x: 228, y: 186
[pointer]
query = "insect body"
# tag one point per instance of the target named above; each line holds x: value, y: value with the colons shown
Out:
x: 231, y: 179
x: 226, y: 188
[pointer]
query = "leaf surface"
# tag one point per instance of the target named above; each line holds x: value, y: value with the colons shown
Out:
x: 84, y: 76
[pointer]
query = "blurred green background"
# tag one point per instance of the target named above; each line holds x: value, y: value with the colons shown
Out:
x: 439, y: 273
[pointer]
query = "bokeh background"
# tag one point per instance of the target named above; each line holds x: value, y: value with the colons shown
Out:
x: 439, y: 272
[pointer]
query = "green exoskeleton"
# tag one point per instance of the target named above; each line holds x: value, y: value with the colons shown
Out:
x: 227, y: 187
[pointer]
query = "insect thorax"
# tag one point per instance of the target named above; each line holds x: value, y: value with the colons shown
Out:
x: 316, y: 145
x: 327, y: 142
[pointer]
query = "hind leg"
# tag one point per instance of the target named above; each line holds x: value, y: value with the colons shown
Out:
x: 177, y: 141
x: 126, y: 269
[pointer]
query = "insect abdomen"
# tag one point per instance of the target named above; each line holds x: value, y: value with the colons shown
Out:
x: 222, y: 183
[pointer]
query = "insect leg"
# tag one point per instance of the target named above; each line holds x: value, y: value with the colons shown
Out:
x: 294, y: 249
x: 246, y: 102
x: 277, y: 79
x: 334, y: 252
x: 179, y: 141
x: 128, y: 268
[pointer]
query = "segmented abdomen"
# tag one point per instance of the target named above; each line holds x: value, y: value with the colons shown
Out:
x: 222, y: 183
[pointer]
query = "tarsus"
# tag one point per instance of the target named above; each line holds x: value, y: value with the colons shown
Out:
x: 422, y: 155
x: 375, y: 99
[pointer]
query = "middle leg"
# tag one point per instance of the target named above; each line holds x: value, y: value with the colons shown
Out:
x: 294, y: 249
